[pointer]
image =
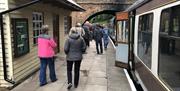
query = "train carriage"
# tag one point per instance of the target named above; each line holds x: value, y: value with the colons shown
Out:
x: 153, y: 44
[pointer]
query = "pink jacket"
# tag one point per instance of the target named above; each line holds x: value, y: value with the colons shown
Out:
x: 46, y: 46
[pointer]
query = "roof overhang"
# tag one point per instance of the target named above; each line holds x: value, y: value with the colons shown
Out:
x: 137, y: 4
x: 66, y: 4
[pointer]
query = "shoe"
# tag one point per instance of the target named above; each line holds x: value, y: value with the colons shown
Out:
x: 69, y: 86
x: 75, y: 86
x: 42, y: 84
x: 54, y: 80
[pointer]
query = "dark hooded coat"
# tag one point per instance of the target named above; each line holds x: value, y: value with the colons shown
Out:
x: 74, y: 47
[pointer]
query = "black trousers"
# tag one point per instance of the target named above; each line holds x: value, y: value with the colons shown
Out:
x: 76, y: 71
x: 99, y: 43
x: 87, y: 42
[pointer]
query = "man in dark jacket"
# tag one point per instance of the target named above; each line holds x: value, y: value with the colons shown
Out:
x: 87, y: 35
x: 74, y: 48
x: 98, y: 35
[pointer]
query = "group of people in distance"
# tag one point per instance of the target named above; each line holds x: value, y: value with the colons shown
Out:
x: 75, y: 46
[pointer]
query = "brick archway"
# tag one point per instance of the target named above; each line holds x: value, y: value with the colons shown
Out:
x: 111, y: 12
x: 95, y: 6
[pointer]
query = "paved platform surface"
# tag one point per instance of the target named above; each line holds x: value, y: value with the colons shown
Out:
x: 98, y: 73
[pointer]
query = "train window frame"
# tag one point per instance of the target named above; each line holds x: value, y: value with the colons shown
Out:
x: 170, y: 10
x: 148, y: 63
x: 170, y: 36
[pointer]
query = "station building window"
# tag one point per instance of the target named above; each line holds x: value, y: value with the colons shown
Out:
x: 169, y: 47
x: 37, y: 24
x: 145, y: 38
x: 21, y: 38
x: 67, y: 24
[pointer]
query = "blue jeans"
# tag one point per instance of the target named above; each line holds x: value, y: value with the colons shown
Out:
x: 42, y: 76
x: 106, y: 41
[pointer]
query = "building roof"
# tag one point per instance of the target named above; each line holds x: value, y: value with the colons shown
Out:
x: 137, y: 4
x: 73, y: 2
x: 66, y: 4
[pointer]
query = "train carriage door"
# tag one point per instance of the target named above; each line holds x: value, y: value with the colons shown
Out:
x: 122, y: 40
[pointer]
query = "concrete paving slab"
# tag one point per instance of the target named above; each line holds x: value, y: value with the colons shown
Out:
x: 56, y: 86
x: 117, y: 80
x: 97, y: 81
x: 95, y: 88
x: 97, y: 73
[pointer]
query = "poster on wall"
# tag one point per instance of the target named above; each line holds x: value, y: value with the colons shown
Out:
x: 21, y: 40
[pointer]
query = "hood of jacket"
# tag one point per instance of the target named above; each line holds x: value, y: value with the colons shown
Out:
x: 45, y: 36
x: 74, y: 36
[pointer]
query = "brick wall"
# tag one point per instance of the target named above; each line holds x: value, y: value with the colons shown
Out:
x: 94, y: 6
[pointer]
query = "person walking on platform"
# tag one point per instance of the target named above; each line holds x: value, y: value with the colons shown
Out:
x: 87, y: 35
x: 98, y: 35
x: 46, y: 53
x: 79, y: 30
x: 105, y: 36
x: 74, y: 48
x: 89, y: 25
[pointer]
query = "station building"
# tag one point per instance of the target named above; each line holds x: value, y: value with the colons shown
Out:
x: 21, y: 22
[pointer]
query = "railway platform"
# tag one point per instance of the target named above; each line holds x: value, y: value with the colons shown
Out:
x: 97, y: 73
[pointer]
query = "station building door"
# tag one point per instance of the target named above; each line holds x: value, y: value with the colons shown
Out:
x: 56, y: 31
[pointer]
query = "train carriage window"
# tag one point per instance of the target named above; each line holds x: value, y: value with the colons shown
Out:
x: 145, y: 38
x: 165, y: 22
x: 169, y: 47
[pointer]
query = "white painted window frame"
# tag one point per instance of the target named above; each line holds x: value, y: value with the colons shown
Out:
x: 39, y: 21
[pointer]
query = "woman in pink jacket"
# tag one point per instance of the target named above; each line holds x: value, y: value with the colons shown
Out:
x: 46, y: 46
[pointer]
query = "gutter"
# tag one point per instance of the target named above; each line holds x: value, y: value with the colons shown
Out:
x: 2, y: 37
x: 75, y: 5
x: 72, y: 4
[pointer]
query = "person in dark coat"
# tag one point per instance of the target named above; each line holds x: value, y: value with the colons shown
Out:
x: 87, y: 35
x: 98, y: 35
x: 74, y: 48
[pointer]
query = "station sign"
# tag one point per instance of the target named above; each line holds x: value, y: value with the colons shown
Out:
x: 3, y: 5
x: 120, y: 16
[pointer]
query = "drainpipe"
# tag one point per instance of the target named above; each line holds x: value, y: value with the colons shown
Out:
x: 2, y: 37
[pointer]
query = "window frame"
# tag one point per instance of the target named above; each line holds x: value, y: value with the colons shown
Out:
x: 67, y: 24
x: 37, y: 31
x: 16, y: 52
x: 169, y: 35
x: 142, y: 28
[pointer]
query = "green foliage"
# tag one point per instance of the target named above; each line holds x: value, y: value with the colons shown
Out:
x: 103, y: 18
